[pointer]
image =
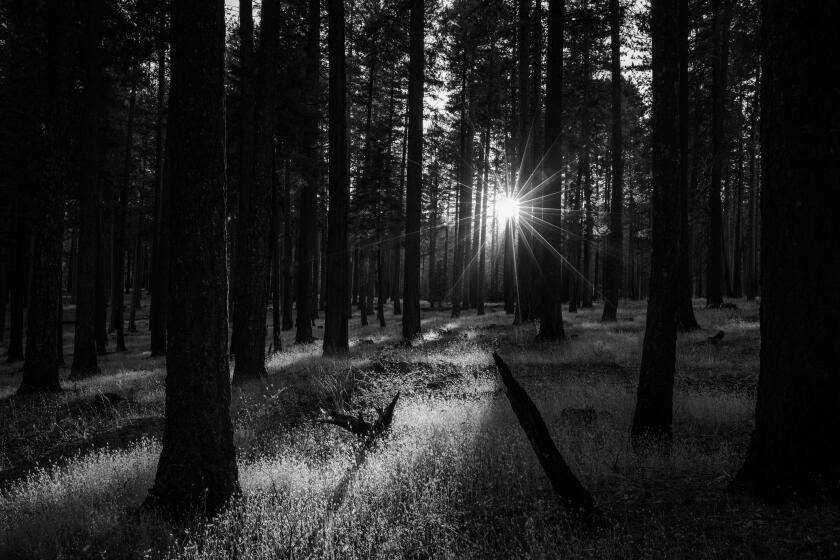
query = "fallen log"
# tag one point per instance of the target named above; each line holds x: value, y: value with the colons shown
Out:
x: 577, y: 499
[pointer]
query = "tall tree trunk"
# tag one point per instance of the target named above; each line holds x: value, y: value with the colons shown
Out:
x: 247, y: 137
x: 102, y: 274
x: 40, y: 366
x: 252, y: 254
x: 136, y: 280
x: 85, y: 361
x: 482, y: 225
x: 434, y: 295
x: 737, y: 241
x: 337, y: 295
x: 19, y: 274
x: 197, y: 466
x: 398, y: 243
x: 307, y: 216
x: 460, y: 269
x: 752, y: 262
x: 118, y: 257
x: 4, y: 293
x: 509, y: 273
x: 588, y: 224
x: 414, y: 186
x: 654, y: 410
x: 686, y: 320
x: 720, y: 31
x: 615, y: 243
x: 276, y: 260
x: 794, y: 449
x: 161, y: 242
x: 288, y: 256
x: 551, y: 310
x: 523, y: 186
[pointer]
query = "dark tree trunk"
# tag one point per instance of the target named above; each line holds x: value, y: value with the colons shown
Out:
x: 337, y: 295
x: 288, y: 256
x: 160, y: 244
x: 737, y: 241
x: 101, y: 297
x: 752, y: 261
x: 197, y: 467
x: 794, y: 449
x: 85, y: 361
x: 523, y: 257
x: 686, y: 320
x: 247, y: 137
x: 551, y: 316
x: 398, y: 243
x: 40, y: 366
x: 4, y: 293
x: 308, y: 220
x: 434, y: 294
x: 588, y: 224
x: 720, y: 32
x: 411, y: 291
x: 276, y: 246
x: 653, y: 414
x: 136, y: 281
x: 463, y: 258
x: 509, y: 274
x: 564, y: 482
x: 576, y: 229
x: 615, y: 243
x: 253, y: 244
x: 19, y: 275
x: 118, y: 254
x: 482, y: 226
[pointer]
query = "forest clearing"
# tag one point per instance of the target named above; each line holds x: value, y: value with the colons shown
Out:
x: 455, y: 478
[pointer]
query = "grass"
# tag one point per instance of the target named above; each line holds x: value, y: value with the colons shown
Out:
x: 455, y: 478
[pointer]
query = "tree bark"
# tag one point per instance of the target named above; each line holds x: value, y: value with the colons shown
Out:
x: 337, y: 295
x: 482, y: 226
x: 161, y: 242
x: 653, y: 414
x: 247, y: 136
x: 523, y: 257
x: 40, y: 366
x: 85, y: 356
x: 118, y: 254
x: 307, y: 217
x: 414, y: 186
x: 252, y: 253
x: 686, y: 320
x: 720, y: 32
x: 794, y: 449
x: 19, y: 275
x: 276, y: 246
x: 197, y: 468
x: 551, y: 310
x: 615, y: 243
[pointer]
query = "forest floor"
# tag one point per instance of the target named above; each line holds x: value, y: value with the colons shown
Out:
x: 456, y: 476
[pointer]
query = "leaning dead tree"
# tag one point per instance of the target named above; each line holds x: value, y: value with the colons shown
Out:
x: 577, y: 499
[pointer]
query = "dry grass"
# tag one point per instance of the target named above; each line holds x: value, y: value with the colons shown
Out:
x: 456, y: 477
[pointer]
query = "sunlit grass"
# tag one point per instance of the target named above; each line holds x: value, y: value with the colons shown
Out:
x: 455, y: 478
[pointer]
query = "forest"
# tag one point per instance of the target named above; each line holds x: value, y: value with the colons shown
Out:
x: 419, y: 279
